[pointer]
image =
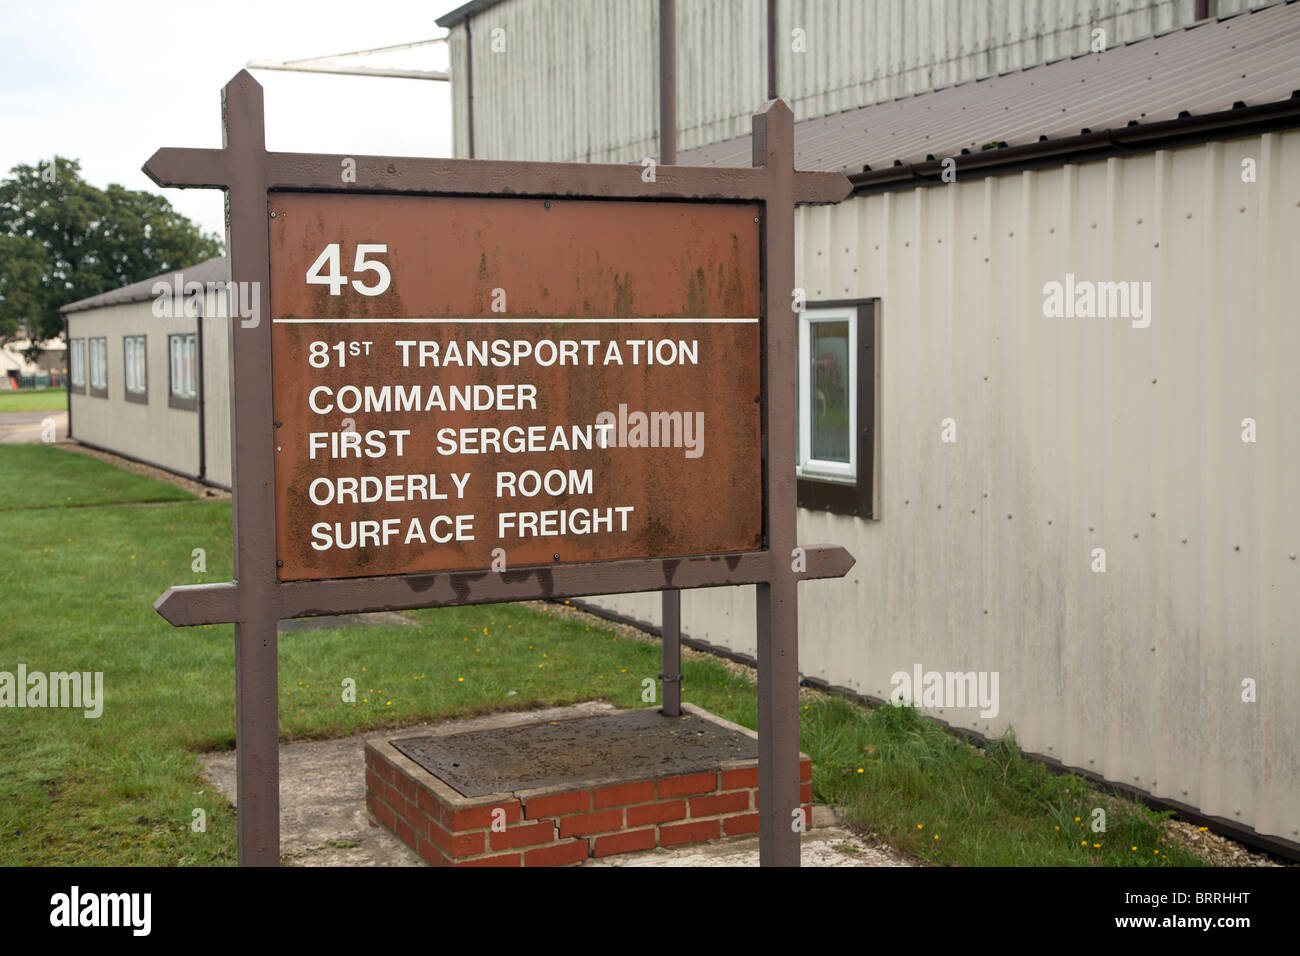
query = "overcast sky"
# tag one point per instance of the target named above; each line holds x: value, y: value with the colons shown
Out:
x: 107, y: 83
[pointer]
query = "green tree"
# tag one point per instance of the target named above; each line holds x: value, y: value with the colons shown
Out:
x: 62, y: 239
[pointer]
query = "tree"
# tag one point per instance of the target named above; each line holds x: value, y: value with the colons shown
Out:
x: 62, y: 239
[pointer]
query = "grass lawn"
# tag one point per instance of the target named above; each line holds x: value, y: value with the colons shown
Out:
x: 78, y: 585
x: 42, y: 476
x: 33, y: 400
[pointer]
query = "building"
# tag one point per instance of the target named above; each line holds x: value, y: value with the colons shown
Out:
x: 149, y: 372
x: 1047, y: 396
x: 575, y: 80
x: 984, y: 462
x: 17, y: 371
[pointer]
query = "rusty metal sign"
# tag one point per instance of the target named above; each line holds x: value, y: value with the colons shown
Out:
x: 456, y: 256
x: 466, y: 383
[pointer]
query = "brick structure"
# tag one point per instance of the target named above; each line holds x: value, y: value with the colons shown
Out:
x: 565, y: 824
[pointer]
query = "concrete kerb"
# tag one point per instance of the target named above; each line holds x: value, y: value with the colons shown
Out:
x: 699, y: 712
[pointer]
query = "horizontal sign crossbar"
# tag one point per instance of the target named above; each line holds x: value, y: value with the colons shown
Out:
x: 182, y: 166
x: 188, y: 605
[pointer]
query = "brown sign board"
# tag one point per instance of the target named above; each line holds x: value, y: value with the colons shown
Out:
x: 487, y: 382
x: 449, y: 254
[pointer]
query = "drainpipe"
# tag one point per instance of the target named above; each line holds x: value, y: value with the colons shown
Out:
x: 198, y: 379
x: 67, y: 383
x: 469, y: 84
x: 771, y: 49
x: 668, y: 82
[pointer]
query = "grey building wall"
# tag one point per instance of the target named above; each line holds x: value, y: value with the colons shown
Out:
x: 1076, y: 434
x: 577, y: 80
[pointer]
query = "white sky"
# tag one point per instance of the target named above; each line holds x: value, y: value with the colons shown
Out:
x: 109, y: 81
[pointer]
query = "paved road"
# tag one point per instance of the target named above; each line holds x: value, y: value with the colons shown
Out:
x: 26, y: 427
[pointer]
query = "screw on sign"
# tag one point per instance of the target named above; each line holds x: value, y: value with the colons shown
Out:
x: 417, y: 432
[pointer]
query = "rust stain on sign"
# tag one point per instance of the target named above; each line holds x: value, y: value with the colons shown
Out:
x: 495, y: 383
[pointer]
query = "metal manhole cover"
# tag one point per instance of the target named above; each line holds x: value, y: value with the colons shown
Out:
x: 630, y: 745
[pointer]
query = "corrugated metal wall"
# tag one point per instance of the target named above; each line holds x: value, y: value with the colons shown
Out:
x: 1075, y: 434
x: 578, y: 79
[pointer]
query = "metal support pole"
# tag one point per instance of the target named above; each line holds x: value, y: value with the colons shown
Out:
x: 777, y: 599
x: 469, y: 86
x: 257, y: 728
x: 257, y: 743
x: 667, y: 82
x: 771, y: 49
x: 671, y: 675
x: 672, y: 641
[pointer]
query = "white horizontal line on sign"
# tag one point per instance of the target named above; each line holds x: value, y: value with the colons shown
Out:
x: 505, y: 321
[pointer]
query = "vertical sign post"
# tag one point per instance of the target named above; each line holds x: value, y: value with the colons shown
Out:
x: 670, y: 618
x: 310, y: 538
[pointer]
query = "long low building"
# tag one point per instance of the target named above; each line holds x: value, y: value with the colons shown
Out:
x: 149, y: 372
x: 1048, y: 389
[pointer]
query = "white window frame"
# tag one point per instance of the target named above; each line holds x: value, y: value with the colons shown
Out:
x: 807, y: 466
x: 98, y: 348
x: 77, y: 362
x: 134, y: 364
x: 182, y: 358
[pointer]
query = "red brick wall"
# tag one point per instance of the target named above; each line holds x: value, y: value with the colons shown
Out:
x: 555, y: 829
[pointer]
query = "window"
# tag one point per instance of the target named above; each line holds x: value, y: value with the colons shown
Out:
x: 77, y: 364
x: 133, y: 368
x: 183, y: 351
x: 99, y: 367
x: 835, y: 451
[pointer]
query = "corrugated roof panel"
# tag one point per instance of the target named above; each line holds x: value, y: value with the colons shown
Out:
x: 1251, y: 57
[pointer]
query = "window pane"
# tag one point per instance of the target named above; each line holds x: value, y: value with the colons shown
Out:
x: 830, y: 391
x: 132, y: 364
x: 98, y: 362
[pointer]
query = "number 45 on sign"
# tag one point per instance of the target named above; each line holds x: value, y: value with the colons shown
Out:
x: 331, y: 257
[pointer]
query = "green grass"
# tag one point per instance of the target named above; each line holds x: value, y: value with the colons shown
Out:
x: 44, y: 476
x: 34, y: 400
x: 121, y: 789
x: 930, y: 793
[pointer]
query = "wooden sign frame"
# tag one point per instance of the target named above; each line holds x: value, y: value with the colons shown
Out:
x: 255, y: 601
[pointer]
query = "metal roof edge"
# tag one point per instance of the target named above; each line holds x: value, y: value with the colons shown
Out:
x: 1122, y: 140
x: 465, y: 12
x: 143, y: 288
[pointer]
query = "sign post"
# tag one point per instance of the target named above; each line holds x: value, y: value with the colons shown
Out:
x: 469, y: 382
